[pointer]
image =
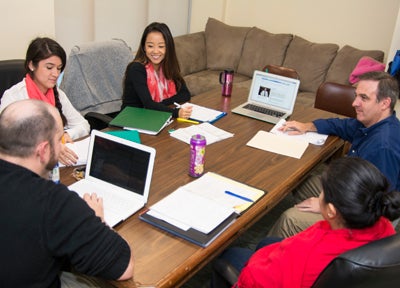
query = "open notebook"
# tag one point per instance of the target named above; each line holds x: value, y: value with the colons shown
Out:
x: 271, y: 97
x: 119, y: 171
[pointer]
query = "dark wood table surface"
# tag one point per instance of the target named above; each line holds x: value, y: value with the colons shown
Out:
x: 163, y: 260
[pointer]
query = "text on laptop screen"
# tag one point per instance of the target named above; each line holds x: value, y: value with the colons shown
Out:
x: 275, y: 92
x: 119, y: 164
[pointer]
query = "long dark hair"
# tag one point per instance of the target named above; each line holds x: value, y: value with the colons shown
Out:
x: 40, y: 49
x: 360, y: 192
x: 170, y: 64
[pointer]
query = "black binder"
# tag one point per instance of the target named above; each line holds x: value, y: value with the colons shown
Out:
x: 192, y: 235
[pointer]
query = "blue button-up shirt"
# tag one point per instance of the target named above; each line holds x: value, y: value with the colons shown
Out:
x: 379, y: 144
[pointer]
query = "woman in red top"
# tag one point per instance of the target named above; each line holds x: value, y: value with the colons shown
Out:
x: 356, y: 206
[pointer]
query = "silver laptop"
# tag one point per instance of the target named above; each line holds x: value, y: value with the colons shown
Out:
x: 119, y: 171
x: 271, y: 98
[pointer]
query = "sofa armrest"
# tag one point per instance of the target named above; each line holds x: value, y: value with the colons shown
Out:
x: 191, y: 52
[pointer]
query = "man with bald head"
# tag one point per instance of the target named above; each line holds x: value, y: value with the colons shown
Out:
x: 44, y: 225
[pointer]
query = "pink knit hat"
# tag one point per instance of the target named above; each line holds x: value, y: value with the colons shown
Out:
x: 365, y: 64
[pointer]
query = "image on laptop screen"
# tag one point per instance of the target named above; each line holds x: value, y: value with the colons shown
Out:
x: 273, y: 91
x: 119, y: 164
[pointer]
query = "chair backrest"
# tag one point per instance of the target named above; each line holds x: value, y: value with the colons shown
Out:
x: 280, y: 70
x: 94, y: 74
x: 11, y: 72
x: 336, y: 98
x: 373, y: 265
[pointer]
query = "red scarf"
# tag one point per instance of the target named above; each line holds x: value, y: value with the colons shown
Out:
x: 35, y: 93
x: 160, y: 88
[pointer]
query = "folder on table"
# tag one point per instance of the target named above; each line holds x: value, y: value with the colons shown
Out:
x: 205, y: 114
x: 202, y: 209
x: 143, y: 120
x: 131, y: 135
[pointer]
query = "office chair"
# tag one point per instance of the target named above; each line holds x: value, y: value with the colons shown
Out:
x: 93, y: 79
x: 11, y: 72
x: 374, y: 265
x: 336, y: 98
x: 280, y: 70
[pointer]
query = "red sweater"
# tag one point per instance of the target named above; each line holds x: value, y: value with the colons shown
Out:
x: 297, y: 261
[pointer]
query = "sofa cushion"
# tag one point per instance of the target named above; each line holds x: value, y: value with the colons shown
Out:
x: 207, y: 80
x: 310, y: 60
x: 345, y: 62
x: 261, y: 48
x: 224, y: 44
x: 191, y: 52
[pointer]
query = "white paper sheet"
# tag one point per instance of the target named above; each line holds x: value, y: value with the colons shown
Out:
x: 279, y: 144
x: 311, y: 137
x: 209, y: 131
x: 191, y: 210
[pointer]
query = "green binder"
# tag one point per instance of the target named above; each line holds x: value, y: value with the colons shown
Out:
x: 143, y: 120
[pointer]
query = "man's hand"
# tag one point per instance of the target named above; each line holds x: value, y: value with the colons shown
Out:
x: 96, y: 203
x: 296, y: 128
x: 309, y: 205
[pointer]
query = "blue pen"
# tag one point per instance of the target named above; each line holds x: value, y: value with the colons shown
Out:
x: 238, y: 196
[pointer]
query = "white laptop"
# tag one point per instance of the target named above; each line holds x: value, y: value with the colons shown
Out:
x: 271, y: 98
x: 119, y: 171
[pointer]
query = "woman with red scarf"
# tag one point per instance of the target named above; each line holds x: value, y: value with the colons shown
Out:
x: 356, y: 204
x: 45, y: 60
x: 153, y: 79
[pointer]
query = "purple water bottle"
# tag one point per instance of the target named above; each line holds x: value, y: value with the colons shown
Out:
x: 197, y: 152
x: 226, y: 79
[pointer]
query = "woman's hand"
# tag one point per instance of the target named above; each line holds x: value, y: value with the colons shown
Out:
x: 96, y: 203
x: 67, y: 138
x: 309, y: 205
x: 67, y: 156
x: 185, y: 111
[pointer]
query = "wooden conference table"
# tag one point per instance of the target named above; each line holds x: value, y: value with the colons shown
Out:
x: 163, y: 260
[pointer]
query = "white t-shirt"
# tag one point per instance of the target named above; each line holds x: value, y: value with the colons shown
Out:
x: 76, y: 127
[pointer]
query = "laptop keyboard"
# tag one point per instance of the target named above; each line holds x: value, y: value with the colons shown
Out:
x: 264, y: 110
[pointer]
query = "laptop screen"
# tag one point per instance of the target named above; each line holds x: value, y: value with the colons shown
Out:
x: 119, y: 164
x: 273, y: 90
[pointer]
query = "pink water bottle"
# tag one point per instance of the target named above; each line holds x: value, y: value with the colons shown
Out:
x: 226, y: 79
x: 197, y: 152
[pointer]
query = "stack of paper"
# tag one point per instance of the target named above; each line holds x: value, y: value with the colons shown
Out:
x: 209, y: 131
x: 202, y: 209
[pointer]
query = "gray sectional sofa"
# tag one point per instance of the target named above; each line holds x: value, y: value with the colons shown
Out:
x: 203, y: 55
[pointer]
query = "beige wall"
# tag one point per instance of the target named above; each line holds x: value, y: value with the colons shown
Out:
x: 21, y: 21
x: 73, y: 22
x: 364, y: 24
